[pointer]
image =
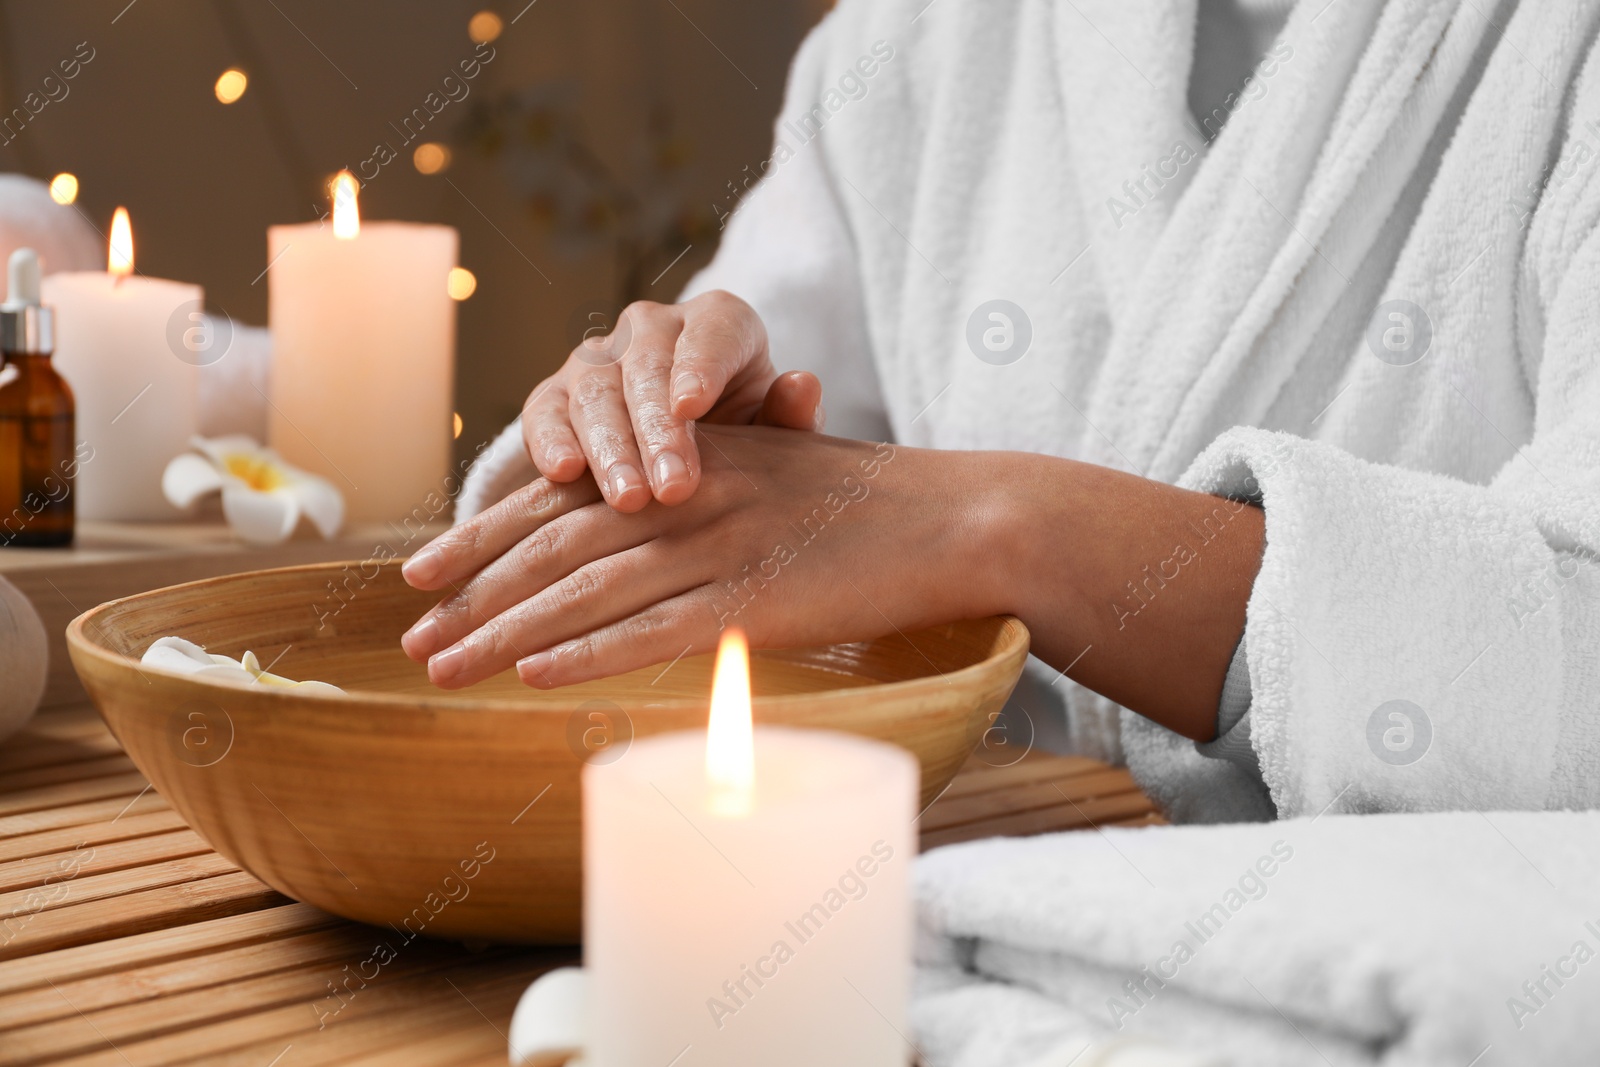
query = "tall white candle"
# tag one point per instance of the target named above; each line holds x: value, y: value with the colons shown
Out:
x: 363, y: 355
x: 734, y: 919
x: 123, y: 345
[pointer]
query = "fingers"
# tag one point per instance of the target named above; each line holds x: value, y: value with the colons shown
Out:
x: 539, y: 560
x: 547, y: 431
x: 623, y: 404
x: 598, y: 412
x: 464, y: 550
x: 661, y: 633
x: 722, y: 336
x: 579, y: 419
x: 793, y: 401
x: 663, y: 437
x: 592, y: 596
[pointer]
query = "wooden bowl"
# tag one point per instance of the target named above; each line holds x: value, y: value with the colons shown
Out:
x: 457, y: 813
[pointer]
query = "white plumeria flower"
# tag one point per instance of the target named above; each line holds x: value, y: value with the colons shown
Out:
x: 185, y: 657
x: 262, y: 496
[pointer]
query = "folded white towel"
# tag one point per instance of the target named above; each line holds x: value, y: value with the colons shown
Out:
x: 1345, y: 940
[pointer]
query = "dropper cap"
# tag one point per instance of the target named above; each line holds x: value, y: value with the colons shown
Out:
x: 26, y: 326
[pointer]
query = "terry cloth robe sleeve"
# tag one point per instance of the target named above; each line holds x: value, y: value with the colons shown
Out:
x: 1419, y: 642
x: 787, y: 249
x: 1232, y: 742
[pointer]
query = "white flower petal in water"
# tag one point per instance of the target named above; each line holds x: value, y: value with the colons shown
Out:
x: 180, y: 656
x: 249, y: 662
x: 263, y: 497
x: 185, y: 657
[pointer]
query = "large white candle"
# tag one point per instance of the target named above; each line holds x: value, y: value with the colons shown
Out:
x: 363, y: 355
x: 747, y: 895
x: 126, y: 346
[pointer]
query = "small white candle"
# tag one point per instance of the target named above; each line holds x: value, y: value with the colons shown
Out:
x: 363, y: 356
x: 747, y: 895
x: 122, y: 344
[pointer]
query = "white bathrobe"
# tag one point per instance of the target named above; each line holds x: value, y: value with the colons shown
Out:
x: 1431, y: 482
x: 1373, y: 303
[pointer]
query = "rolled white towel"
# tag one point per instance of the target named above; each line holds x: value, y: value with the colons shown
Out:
x: 548, y: 1027
x: 29, y: 218
x: 233, y: 389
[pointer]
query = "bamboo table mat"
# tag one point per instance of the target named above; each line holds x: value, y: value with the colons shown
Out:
x: 126, y: 942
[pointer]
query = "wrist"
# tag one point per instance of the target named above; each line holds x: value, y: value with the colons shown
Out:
x: 1134, y: 587
x: 1027, y: 507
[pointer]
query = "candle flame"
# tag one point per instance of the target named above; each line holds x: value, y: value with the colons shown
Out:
x: 730, y: 740
x: 346, y: 216
x: 120, y: 260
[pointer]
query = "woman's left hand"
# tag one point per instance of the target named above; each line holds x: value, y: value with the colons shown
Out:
x: 794, y: 537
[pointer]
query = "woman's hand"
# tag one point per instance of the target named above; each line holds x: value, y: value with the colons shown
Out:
x: 1135, y: 588
x: 622, y: 407
x: 796, y: 538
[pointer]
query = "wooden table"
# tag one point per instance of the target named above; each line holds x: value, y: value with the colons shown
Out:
x: 125, y: 941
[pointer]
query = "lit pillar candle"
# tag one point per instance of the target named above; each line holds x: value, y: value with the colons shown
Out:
x: 363, y: 355
x: 124, y: 343
x: 747, y: 894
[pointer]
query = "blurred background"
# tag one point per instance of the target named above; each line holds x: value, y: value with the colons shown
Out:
x: 585, y: 165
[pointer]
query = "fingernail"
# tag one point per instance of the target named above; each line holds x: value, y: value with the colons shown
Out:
x: 560, y: 457
x: 422, y: 638
x: 425, y: 566
x: 447, y: 664
x: 625, y: 479
x: 670, y: 470
x: 687, y: 386
x: 535, y: 669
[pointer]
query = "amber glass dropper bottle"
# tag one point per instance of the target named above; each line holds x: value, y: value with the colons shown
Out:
x: 37, y: 461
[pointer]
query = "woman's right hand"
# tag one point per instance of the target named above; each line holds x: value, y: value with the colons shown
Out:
x: 623, y: 405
